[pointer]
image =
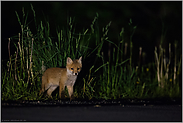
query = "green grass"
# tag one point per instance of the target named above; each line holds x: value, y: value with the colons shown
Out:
x: 111, y: 77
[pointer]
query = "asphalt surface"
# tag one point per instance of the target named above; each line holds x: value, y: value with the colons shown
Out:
x: 93, y: 113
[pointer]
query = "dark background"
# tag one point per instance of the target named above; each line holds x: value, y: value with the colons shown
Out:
x: 151, y: 18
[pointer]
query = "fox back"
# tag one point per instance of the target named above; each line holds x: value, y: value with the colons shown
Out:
x: 54, y: 77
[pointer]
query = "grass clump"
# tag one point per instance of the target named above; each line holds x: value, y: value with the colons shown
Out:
x: 107, y: 73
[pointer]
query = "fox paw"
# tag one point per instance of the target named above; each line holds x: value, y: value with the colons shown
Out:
x: 72, y: 97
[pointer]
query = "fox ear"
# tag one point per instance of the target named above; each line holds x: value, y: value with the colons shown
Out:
x: 69, y: 60
x: 80, y: 59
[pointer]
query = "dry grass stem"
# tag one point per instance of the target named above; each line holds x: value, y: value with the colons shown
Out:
x: 174, y: 78
x: 140, y: 55
x: 168, y: 64
x: 9, y: 54
x: 157, y: 65
x: 43, y: 68
x: 30, y: 65
x: 126, y: 45
x: 27, y: 59
x: 15, y: 64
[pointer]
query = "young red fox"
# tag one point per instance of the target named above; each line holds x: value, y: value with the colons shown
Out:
x: 54, y: 77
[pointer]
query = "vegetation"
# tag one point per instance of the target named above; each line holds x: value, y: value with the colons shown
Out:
x: 107, y: 73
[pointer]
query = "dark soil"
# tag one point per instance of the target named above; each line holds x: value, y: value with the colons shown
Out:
x: 80, y: 102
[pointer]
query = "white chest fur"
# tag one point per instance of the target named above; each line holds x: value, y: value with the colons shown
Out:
x: 71, y: 80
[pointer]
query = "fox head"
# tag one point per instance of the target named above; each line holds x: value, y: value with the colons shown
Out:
x: 74, y: 66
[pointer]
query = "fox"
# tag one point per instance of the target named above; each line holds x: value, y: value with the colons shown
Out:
x: 62, y: 77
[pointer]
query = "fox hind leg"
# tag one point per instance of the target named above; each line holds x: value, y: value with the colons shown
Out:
x: 44, y: 81
x: 42, y: 88
x: 51, y: 89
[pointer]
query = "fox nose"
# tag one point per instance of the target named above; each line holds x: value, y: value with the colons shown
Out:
x: 75, y: 73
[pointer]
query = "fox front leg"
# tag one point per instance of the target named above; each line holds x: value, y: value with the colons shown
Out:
x: 61, y: 89
x: 70, y: 90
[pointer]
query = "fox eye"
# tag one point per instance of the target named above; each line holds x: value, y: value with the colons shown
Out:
x: 77, y: 68
x: 72, y: 68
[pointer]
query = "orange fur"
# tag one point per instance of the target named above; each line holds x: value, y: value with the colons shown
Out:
x: 54, y: 77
